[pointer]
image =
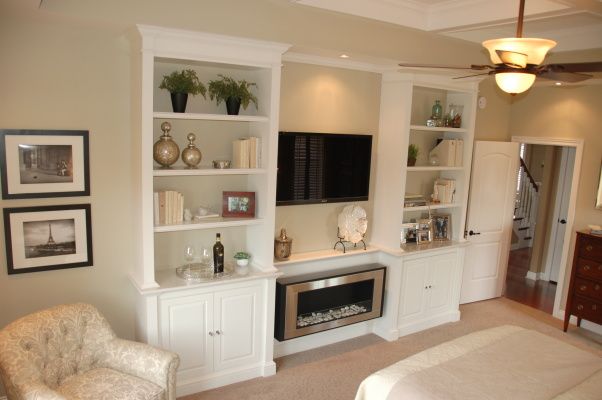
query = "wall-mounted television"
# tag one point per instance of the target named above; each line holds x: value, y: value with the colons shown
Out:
x: 322, y: 168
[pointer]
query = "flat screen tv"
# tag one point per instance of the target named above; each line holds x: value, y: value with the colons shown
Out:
x: 322, y: 168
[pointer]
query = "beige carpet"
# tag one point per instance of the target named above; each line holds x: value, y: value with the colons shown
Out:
x: 334, y: 372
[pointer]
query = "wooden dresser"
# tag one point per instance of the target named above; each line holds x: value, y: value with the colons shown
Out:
x: 585, y: 289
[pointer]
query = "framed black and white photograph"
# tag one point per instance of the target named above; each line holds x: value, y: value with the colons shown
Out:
x: 44, y: 163
x: 424, y: 233
x: 441, y: 226
x: 47, y: 238
x: 409, y: 232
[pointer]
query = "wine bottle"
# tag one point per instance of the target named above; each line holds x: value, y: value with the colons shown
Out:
x: 218, y: 255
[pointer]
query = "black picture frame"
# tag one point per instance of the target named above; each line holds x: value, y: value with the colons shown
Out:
x: 24, y: 227
x: 64, y: 153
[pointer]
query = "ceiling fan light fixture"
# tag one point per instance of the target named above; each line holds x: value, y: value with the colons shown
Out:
x: 514, y: 82
x: 535, y: 49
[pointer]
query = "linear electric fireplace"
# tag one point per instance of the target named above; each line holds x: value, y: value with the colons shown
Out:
x: 317, y: 302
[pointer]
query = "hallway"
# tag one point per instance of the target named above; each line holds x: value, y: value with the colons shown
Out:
x: 537, y: 294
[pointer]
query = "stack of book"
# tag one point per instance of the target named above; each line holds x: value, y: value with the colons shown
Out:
x: 246, y: 153
x: 448, y: 152
x: 414, y: 200
x: 444, y: 191
x: 168, y: 207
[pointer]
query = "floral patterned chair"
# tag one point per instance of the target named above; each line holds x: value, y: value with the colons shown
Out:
x: 71, y: 352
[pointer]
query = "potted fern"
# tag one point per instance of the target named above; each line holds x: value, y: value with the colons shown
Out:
x: 413, y: 152
x: 180, y: 84
x: 233, y: 93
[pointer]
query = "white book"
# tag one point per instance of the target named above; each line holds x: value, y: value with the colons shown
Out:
x: 459, y: 152
x: 240, y: 153
x: 254, y: 152
x: 156, y: 218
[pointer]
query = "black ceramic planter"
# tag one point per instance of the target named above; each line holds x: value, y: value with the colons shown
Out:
x: 233, y: 105
x: 178, y: 102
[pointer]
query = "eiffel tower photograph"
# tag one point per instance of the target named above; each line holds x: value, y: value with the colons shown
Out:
x: 49, y: 238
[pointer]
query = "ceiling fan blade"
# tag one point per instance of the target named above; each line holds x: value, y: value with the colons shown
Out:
x: 470, y: 76
x: 560, y: 76
x: 471, y: 67
x: 512, y: 59
x: 595, y: 66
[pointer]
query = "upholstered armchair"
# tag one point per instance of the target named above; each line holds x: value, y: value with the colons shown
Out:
x: 71, y: 352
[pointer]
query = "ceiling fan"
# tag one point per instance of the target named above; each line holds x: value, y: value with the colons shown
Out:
x: 517, y: 62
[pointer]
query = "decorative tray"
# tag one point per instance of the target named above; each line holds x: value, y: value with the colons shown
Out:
x: 197, y: 272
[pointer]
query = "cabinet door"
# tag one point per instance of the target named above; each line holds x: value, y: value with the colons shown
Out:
x: 413, y: 289
x: 238, y: 325
x: 185, y: 323
x: 441, y: 274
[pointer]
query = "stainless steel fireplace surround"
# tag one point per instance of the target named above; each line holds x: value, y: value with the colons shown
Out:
x: 312, y: 303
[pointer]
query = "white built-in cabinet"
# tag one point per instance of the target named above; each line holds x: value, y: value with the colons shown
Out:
x: 213, y: 330
x: 222, y: 329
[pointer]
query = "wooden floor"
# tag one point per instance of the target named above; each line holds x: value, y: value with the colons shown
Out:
x: 536, y: 294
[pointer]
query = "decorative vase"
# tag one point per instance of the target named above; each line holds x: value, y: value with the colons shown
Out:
x: 165, y: 150
x: 437, y: 110
x: 191, y: 155
x: 411, y: 162
x: 242, y: 262
x: 178, y: 102
x: 282, y: 246
x: 233, y: 105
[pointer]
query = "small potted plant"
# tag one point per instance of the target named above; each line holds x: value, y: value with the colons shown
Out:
x: 242, y: 258
x: 413, y: 152
x: 234, y: 93
x: 180, y: 84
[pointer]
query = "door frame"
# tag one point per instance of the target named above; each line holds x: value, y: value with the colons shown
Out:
x: 578, y: 145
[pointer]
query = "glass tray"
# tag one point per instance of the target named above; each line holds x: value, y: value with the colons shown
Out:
x: 197, y: 272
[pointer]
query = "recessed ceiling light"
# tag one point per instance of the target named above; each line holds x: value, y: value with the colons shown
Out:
x: 558, y: 83
x: 344, y: 56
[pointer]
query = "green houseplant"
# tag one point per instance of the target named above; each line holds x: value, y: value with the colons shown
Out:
x: 180, y: 84
x: 242, y: 258
x: 234, y: 93
x: 413, y: 152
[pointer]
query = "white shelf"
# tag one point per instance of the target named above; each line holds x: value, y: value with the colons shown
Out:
x: 437, y: 129
x: 436, y: 168
x: 210, y: 117
x: 435, y: 206
x: 209, y: 223
x: 181, y: 171
x: 296, y: 258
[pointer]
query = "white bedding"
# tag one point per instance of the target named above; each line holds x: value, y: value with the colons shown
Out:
x: 506, y: 362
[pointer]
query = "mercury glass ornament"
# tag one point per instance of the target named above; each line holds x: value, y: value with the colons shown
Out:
x: 191, y: 155
x: 165, y: 150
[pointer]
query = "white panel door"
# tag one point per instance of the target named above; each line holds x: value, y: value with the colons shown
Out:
x: 413, y: 289
x: 238, y: 327
x: 185, y: 326
x: 441, y: 276
x: 489, y: 219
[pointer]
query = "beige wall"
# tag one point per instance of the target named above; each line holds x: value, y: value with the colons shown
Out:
x: 493, y: 121
x: 66, y: 66
x: 567, y: 112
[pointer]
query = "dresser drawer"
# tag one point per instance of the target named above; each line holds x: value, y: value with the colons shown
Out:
x: 591, y: 289
x: 590, y: 248
x: 587, y: 309
x: 589, y: 269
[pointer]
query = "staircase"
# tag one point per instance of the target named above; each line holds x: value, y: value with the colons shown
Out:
x: 525, y: 209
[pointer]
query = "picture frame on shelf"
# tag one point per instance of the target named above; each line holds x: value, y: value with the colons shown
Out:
x: 238, y: 204
x: 47, y: 238
x: 441, y: 226
x: 409, y: 232
x: 44, y: 163
x: 425, y: 232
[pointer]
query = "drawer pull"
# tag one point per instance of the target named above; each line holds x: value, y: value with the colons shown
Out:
x: 580, y: 307
x: 594, y: 307
x: 583, y: 288
x: 589, y: 247
x: 597, y: 287
x: 587, y: 267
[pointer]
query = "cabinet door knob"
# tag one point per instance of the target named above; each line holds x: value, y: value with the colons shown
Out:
x: 211, y: 333
x: 594, y: 307
x: 582, y: 287
x: 218, y: 332
x: 597, y: 287
x: 589, y: 247
x: 580, y: 307
x: 430, y: 286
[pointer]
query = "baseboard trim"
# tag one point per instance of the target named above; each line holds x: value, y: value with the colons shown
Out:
x: 451, y: 316
x: 588, y: 326
x: 535, y: 276
x: 215, y: 380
